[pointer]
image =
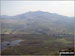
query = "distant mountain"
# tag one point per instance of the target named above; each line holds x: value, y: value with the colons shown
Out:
x: 38, y: 22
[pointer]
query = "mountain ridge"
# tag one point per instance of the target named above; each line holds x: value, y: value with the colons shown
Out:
x: 36, y: 12
x: 38, y: 22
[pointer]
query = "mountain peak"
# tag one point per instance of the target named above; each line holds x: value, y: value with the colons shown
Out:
x: 37, y: 12
x: 40, y: 11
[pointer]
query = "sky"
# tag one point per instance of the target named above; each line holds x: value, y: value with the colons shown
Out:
x: 12, y: 8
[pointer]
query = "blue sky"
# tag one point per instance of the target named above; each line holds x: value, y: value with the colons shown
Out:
x: 12, y: 8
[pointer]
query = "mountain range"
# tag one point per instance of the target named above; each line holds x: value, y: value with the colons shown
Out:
x: 37, y: 22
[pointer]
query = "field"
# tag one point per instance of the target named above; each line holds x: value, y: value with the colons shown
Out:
x: 35, y: 44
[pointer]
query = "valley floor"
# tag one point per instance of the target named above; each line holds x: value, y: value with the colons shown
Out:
x: 35, y: 44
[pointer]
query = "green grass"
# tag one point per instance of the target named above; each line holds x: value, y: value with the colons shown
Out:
x: 62, y: 40
x: 48, y: 41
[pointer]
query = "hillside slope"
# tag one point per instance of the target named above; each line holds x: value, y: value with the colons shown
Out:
x: 38, y: 22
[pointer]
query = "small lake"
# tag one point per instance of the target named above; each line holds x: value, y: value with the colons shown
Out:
x: 12, y: 43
